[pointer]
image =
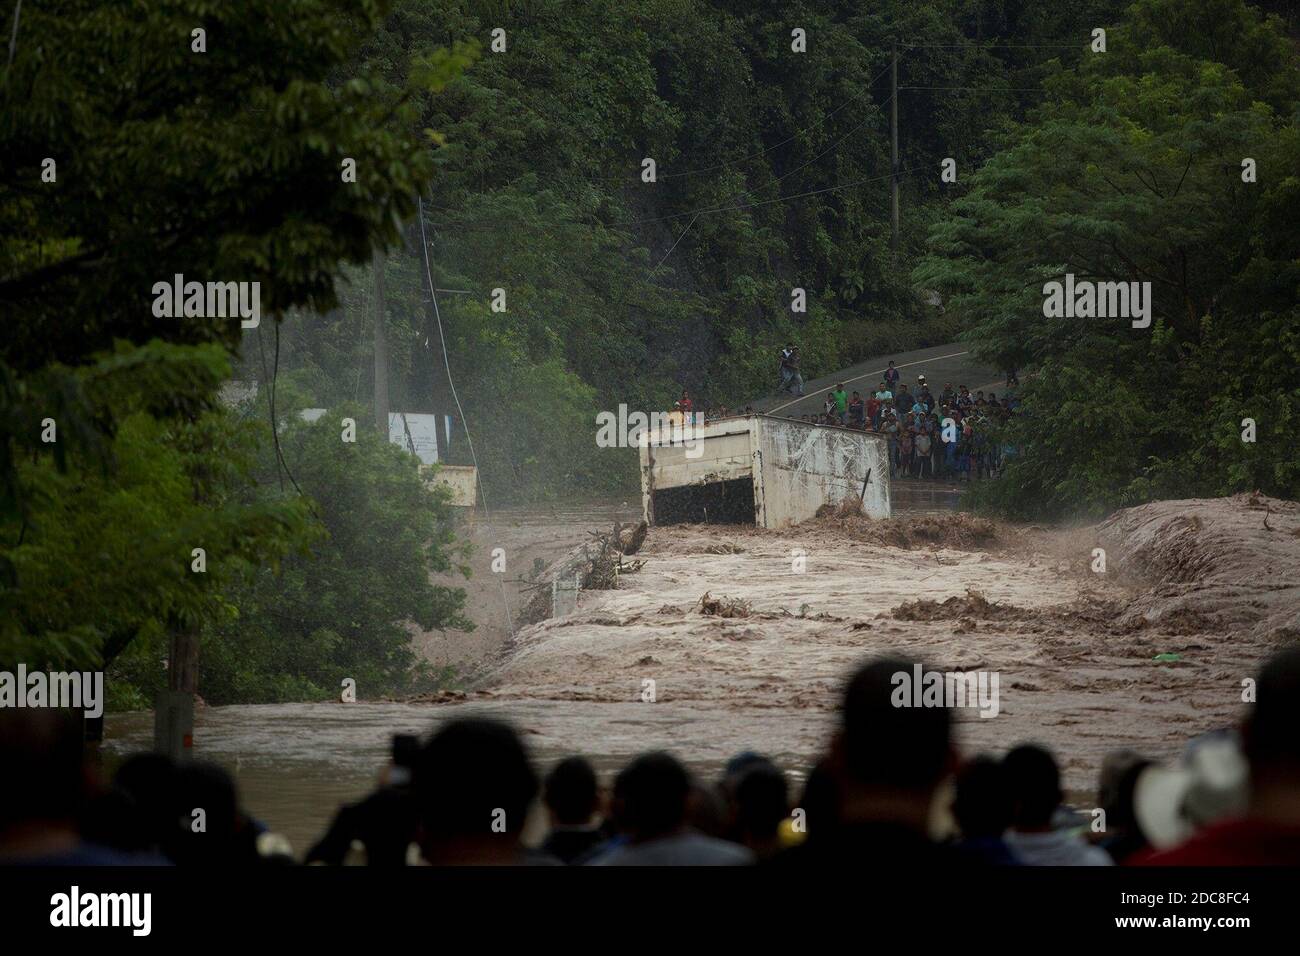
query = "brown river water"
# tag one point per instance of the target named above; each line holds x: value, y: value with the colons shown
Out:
x: 296, y: 763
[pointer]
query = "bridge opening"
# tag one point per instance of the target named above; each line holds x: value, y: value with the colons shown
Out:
x: 719, y: 502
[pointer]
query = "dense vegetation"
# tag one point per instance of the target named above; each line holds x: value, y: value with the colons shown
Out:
x: 1174, y: 159
x: 116, y: 460
x: 772, y: 173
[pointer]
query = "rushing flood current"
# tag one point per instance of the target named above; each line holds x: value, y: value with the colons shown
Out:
x: 296, y: 763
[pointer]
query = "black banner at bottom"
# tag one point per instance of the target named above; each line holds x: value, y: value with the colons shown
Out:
x: 328, y: 905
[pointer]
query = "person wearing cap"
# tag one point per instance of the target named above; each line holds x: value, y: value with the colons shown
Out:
x: 1224, y: 809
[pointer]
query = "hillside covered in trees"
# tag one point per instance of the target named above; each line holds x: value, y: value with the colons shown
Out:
x: 771, y: 161
x: 768, y: 130
x: 615, y: 202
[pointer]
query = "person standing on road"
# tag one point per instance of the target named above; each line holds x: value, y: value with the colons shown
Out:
x: 889, y: 425
x: 790, y: 377
x: 891, y: 377
x: 841, y: 403
x: 923, y: 453
x: 857, y: 411
x: 948, y: 437
x: 903, y: 400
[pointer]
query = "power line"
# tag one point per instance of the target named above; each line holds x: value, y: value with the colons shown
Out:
x: 762, y: 202
x: 679, y: 239
x: 984, y: 89
x: 442, y: 339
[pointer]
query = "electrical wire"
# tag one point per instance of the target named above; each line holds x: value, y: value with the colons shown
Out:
x: 442, y: 339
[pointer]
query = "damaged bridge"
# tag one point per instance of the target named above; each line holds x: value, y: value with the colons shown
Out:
x: 760, y: 470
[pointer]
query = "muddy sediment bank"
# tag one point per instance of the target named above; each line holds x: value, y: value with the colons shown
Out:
x: 734, y: 622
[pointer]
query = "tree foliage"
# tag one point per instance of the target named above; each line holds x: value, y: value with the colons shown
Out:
x: 773, y: 172
x: 1135, y: 170
x: 224, y: 165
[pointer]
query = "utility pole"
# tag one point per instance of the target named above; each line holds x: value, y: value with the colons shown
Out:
x: 381, y: 348
x: 439, y: 382
x: 893, y: 148
x: 173, y: 713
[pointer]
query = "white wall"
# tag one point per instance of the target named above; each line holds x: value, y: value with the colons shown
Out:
x: 806, y: 466
x: 796, y: 467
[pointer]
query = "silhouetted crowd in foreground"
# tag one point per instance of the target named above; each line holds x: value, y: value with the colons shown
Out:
x: 890, y: 779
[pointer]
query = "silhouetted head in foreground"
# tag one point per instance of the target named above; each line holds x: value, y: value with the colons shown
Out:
x: 1036, y: 782
x: 149, y: 779
x: 1271, y: 739
x: 571, y: 793
x: 46, y: 784
x: 224, y: 835
x: 653, y: 790
x: 473, y: 787
x: 761, y: 802
x: 983, y: 803
x: 889, y: 755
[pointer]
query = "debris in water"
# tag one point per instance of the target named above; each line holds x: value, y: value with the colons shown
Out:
x: 723, y: 607
x: 974, y: 606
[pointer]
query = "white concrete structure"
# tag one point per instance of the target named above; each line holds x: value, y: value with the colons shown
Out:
x: 761, y: 470
x: 417, y: 433
x: 461, y: 479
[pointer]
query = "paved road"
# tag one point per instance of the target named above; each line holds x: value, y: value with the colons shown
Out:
x: 941, y: 363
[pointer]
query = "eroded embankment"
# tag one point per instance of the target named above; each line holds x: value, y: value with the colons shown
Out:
x: 736, y: 622
x: 1229, y: 565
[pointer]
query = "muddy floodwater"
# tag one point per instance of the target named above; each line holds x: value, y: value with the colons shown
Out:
x: 747, y: 635
x: 295, y: 763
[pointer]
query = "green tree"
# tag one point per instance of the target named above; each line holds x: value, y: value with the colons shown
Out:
x: 343, y: 608
x: 130, y: 156
x: 1135, y: 172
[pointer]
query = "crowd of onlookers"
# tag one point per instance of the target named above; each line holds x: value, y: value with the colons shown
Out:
x: 951, y: 435
x: 892, y: 785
